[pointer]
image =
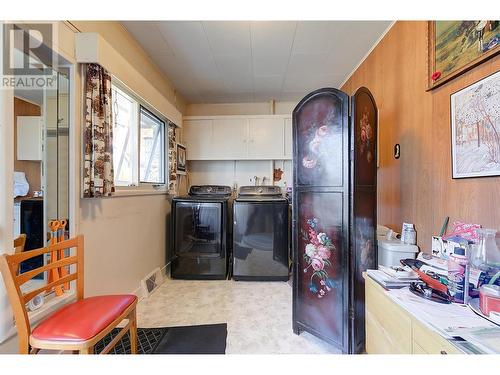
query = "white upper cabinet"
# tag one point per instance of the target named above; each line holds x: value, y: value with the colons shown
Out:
x: 198, y: 137
x: 266, y: 138
x: 238, y: 137
x: 29, y: 138
x: 230, y: 138
x: 288, y: 138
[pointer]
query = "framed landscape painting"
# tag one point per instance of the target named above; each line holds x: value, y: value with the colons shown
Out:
x: 457, y: 46
x: 475, y: 129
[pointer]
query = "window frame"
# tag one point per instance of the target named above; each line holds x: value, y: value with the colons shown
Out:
x: 165, y: 145
x: 144, y: 188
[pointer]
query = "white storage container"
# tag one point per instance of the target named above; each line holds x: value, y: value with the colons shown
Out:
x: 391, y: 251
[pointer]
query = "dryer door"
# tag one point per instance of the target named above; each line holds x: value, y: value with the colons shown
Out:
x: 198, y: 229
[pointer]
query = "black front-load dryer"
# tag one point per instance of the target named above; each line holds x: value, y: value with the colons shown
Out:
x: 201, y: 233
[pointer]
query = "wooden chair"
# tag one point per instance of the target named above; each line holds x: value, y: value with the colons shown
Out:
x: 19, y: 243
x: 76, y: 327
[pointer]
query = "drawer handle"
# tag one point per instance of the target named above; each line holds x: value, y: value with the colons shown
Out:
x: 443, y: 352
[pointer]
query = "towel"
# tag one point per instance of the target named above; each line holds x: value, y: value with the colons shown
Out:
x: 21, y: 186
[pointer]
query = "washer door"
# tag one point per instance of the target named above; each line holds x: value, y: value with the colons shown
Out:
x: 260, y: 239
x: 198, y: 229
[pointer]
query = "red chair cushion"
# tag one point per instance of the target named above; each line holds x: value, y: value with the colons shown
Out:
x: 82, y: 320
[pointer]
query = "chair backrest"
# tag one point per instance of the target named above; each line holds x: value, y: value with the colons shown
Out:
x: 19, y: 243
x: 9, y: 264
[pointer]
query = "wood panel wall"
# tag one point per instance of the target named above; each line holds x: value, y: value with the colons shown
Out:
x: 31, y: 168
x: 418, y: 187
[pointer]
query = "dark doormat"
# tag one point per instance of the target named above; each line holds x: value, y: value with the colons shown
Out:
x: 202, y: 339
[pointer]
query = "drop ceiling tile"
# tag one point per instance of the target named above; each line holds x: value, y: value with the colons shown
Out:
x: 306, y: 64
x: 185, y: 38
x: 235, y: 72
x: 228, y: 37
x: 313, y: 37
x: 310, y: 83
x: 149, y: 37
x: 233, y: 97
x: 271, y: 46
x: 291, y: 96
x: 271, y: 83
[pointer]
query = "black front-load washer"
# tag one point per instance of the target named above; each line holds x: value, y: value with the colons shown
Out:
x: 201, y: 233
x: 260, y: 234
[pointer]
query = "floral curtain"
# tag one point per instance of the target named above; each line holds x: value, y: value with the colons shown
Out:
x: 98, y: 176
x: 172, y: 158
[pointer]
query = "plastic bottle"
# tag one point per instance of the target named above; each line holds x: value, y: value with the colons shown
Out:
x: 409, y: 235
x: 458, y: 285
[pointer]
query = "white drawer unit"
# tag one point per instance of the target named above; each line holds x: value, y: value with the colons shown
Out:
x: 264, y: 137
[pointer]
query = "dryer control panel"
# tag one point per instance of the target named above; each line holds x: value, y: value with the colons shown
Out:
x: 260, y: 191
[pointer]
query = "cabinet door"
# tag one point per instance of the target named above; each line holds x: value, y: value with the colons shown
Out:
x: 29, y: 138
x: 198, y: 136
x: 388, y: 326
x: 266, y: 138
x: 288, y: 138
x: 230, y: 138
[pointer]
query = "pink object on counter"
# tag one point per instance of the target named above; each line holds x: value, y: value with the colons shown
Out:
x: 464, y: 230
x: 489, y: 299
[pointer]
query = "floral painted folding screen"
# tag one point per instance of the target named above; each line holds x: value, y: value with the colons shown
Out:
x: 334, y: 214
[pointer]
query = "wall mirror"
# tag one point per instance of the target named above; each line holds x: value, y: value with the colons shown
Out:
x: 41, y: 167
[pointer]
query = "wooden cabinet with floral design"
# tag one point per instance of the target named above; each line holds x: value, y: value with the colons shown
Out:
x: 334, y: 214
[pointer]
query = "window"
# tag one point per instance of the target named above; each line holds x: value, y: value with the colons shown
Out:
x: 139, y: 151
x: 152, y: 148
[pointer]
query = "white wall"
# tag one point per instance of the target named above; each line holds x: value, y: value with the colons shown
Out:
x: 125, y: 239
x: 219, y: 109
x: 237, y: 172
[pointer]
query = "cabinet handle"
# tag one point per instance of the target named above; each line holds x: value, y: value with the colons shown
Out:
x: 244, y: 141
x: 251, y: 140
x: 443, y: 352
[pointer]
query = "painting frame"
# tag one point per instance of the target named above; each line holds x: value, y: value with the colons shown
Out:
x: 455, y: 147
x: 181, y: 159
x: 431, y: 60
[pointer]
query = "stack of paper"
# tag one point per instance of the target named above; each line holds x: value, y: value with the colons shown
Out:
x: 388, y: 281
x: 400, y: 273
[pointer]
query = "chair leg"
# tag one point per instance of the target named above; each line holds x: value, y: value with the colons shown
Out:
x: 89, y: 350
x: 133, y: 332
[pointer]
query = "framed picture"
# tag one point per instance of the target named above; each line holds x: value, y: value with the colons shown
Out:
x: 475, y: 129
x: 457, y: 46
x: 181, y: 159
